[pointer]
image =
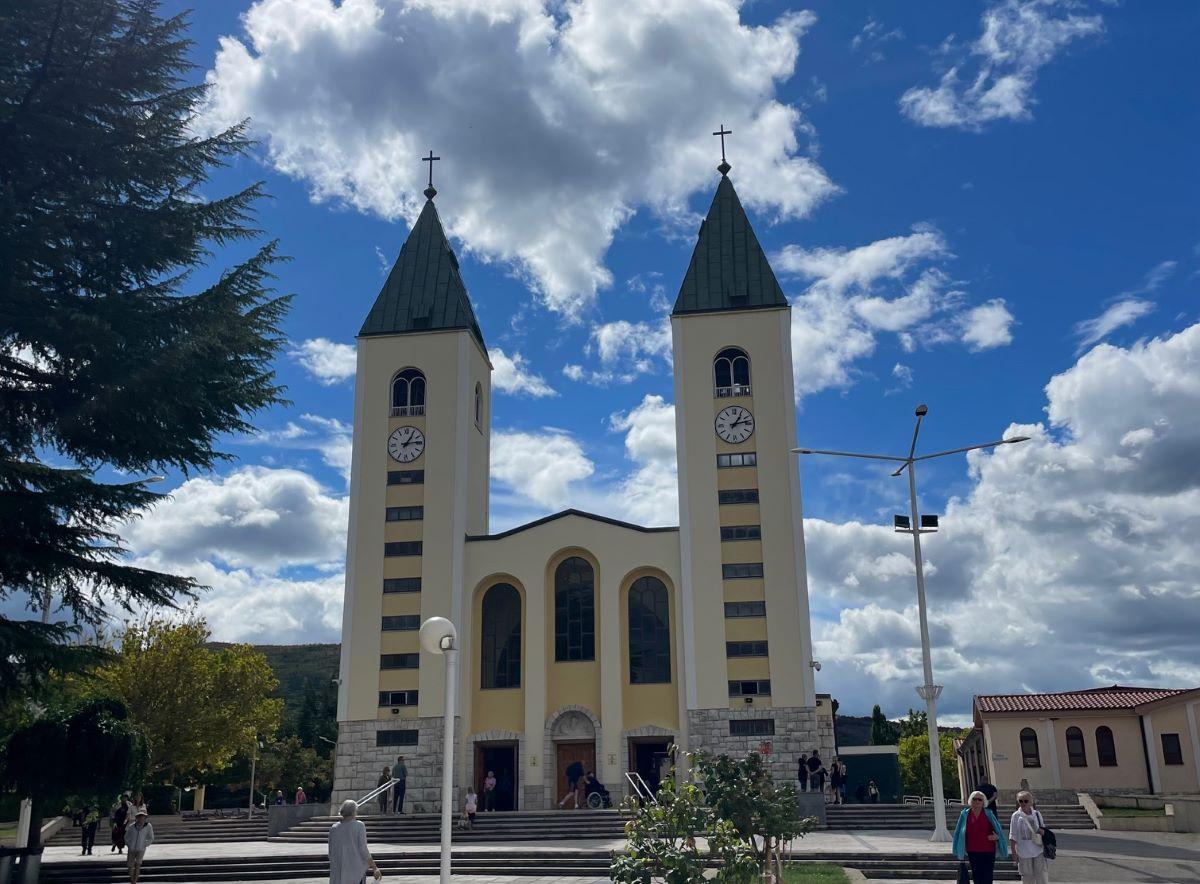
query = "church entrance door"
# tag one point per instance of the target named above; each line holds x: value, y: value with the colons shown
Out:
x: 585, y: 754
x: 501, y: 759
x: 651, y: 759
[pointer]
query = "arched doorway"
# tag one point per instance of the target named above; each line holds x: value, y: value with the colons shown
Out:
x: 574, y: 737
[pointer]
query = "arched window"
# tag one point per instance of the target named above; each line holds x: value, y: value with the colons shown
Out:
x: 1076, y: 751
x: 1030, y: 757
x: 731, y: 373
x: 1106, y: 747
x: 574, y: 610
x: 500, y: 654
x: 408, y: 393
x: 649, y: 632
x: 478, y: 405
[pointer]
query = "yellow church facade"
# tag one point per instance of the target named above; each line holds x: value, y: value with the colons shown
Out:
x: 581, y: 638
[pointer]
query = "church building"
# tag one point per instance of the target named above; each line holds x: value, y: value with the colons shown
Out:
x: 581, y: 637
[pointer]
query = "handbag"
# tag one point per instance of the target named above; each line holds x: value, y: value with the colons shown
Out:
x: 964, y: 873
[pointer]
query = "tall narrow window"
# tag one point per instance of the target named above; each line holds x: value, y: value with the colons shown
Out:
x: 574, y: 610
x: 1172, y: 749
x: 479, y: 405
x: 731, y: 373
x: 408, y: 393
x: 1076, y: 751
x: 1106, y: 746
x: 1030, y: 757
x: 500, y: 656
x: 649, y: 632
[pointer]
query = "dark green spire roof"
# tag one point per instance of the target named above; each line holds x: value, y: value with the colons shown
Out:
x: 425, y: 289
x: 729, y: 270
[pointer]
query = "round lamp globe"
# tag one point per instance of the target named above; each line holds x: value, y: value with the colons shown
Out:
x: 438, y: 635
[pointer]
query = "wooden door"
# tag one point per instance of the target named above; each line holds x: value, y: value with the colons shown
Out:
x: 584, y: 753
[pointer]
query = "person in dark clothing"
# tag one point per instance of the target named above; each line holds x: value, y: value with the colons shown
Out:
x: 816, y: 772
x: 861, y: 793
x: 384, y: 779
x: 89, y: 823
x: 574, y: 774
x: 989, y: 792
x: 802, y: 773
x: 399, y: 773
x: 873, y: 791
x: 120, y: 819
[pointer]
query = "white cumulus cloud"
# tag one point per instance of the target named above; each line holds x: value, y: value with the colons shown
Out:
x: 327, y: 361
x: 574, y: 120
x: 996, y: 81
x: 988, y: 325
x: 512, y: 374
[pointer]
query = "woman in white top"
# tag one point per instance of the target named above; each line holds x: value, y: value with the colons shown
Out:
x: 1025, y: 833
x: 349, y: 857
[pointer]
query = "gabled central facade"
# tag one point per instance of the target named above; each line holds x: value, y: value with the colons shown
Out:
x: 583, y: 638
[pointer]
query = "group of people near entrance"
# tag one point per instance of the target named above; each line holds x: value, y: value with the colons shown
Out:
x: 131, y: 831
x: 979, y: 838
x: 812, y: 776
x: 579, y: 781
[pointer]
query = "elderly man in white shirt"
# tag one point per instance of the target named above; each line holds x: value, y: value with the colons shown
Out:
x: 349, y: 857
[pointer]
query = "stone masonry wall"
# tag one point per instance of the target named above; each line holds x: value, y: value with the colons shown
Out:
x: 360, y: 761
x: 798, y: 730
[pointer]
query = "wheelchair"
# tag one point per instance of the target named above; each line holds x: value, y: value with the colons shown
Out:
x: 598, y: 797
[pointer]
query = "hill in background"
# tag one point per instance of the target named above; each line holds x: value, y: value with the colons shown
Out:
x: 297, y: 667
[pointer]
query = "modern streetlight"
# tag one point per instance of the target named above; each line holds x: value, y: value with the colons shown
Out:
x: 918, y: 525
x: 438, y: 636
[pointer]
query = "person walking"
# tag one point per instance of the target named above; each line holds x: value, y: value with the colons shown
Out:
x: 88, y: 825
x: 873, y: 791
x: 471, y: 806
x: 301, y: 798
x: 989, y: 792
x: 489, y: 792
x: 802, y: 773
x: 138, y: 837
x: 279, y: 798
x: 349, y: 856
x: 1025, y: 832
x: 400, y: 775
x: 978, y: 838
x: 573, y: 773
x: 814, y: 765
x: 837, y: 781
x: 384, y: 779
x: 120, y: 820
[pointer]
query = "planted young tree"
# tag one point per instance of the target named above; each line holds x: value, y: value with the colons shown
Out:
x: 914, y: 765
x: 114, y: 365
x: 93, y: 751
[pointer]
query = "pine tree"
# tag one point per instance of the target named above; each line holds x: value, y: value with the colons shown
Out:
x: 112, y: 365
x: 883, y: 732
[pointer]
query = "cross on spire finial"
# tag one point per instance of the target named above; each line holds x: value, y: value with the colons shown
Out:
x: 430, y: 191
x: 724, y: 167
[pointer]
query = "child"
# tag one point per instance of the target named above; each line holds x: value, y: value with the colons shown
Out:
x: 470, y: 807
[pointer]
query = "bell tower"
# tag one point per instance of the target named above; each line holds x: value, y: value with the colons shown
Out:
x: 747, y: 641
x: 418, y: 487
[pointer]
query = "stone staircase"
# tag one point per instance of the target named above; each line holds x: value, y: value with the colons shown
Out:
x: 425, y: 828
x: 173, y: 830
x: 860, y: 817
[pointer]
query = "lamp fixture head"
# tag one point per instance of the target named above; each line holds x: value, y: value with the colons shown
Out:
x: 922, y: 410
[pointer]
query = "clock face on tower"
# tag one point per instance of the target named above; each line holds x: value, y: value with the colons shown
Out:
x: 406, y: 444
x: 735, y: 424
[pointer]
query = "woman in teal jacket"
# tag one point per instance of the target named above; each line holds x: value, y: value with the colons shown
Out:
x: 978, y: 838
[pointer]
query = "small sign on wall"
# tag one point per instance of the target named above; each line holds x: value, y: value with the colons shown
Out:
x: 999, y: 756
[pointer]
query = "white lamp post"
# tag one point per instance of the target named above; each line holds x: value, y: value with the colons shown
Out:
x: 929, y: 692
x: 438, y: 636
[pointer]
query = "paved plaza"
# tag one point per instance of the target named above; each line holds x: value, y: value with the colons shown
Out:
x: 1084, y: 856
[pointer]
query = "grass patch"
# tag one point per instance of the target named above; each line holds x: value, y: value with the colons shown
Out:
x: 8, y: 833
x: 813, y: 873
x: 1131, y: 811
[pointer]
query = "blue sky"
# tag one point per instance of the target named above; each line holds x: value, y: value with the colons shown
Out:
x: 956, y: 234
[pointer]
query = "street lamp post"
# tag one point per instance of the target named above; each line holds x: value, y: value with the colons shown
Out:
x: 929, y: 692
x: 438, y: 636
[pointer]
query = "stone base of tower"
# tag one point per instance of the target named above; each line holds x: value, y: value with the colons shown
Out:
x: 360, y: 761
x: 798, y: 730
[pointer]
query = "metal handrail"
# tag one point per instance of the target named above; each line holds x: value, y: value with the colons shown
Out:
x: 640, y: 786
x: 377, y: 792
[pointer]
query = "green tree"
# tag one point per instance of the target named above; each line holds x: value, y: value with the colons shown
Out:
x: 883, y: 732
x: 288, y: 763
x: 93, y: 751
x: 916, y: 724
x: 110, y: 356
x: 198, y: 707
x: 914, y: 765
